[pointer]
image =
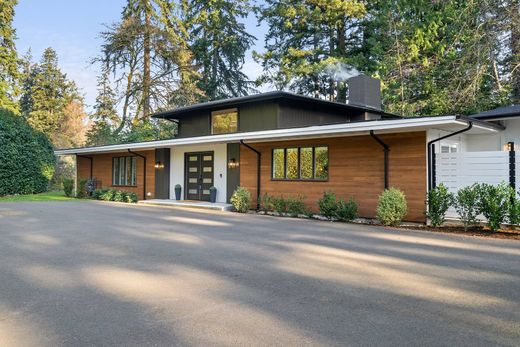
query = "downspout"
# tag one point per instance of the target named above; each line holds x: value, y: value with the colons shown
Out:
x: 431, y: 155
x: 386, y: 151
x: 259, y: 162
x: 144, y: 171
x: 91, y: 159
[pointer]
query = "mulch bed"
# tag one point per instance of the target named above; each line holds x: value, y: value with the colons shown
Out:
x: 475, y: 231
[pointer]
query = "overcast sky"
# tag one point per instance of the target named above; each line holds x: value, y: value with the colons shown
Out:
x: 72, y: 28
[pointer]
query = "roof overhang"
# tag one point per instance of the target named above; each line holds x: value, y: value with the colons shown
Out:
x: 447, y: 123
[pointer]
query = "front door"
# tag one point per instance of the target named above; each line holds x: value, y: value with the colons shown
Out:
x: 199, y: 175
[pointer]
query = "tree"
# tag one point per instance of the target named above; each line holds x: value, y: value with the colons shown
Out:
x: 105, y: 117
x: 8, y: 57
x: 28, y: 160
x: 51, y: 103
x: 309, y: 44
x: 219, y: 43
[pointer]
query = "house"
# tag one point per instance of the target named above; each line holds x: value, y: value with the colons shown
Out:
x: 282, y: 143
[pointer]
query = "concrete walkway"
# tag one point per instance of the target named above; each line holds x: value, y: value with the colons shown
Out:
x: 103, y: 274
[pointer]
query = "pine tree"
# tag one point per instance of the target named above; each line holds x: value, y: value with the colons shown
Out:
x: 8, y: 57
x: 219, y: 43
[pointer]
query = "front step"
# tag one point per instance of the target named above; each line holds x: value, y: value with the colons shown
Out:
x: 219, y: 206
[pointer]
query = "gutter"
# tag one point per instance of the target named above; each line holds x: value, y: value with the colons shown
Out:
x: 386, y: 151
x: 259, y: 162
x: 144, y: 171
x: 431, y: 154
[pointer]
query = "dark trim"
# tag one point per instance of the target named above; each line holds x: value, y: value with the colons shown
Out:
x: 512, y: 165
x: 144, y: 171
x: 386, y: 151
x: 431, y: 155
x: 299, y: 179
x: 91, y: 163
x: 258, y: 169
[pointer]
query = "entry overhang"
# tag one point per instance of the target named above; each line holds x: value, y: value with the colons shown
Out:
x: 448, y: 123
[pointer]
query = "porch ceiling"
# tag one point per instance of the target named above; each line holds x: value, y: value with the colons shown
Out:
x: 447, y: 123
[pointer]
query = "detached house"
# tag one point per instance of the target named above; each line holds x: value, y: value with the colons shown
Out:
x: 282, y: 143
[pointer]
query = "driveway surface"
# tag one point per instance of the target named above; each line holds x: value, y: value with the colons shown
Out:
x: 104, y: 274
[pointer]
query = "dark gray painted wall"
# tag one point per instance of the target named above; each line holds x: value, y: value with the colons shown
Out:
x: 291, y: 116
x: 261, y: 116
x: 195, y: 124
x: 162, y: 176
x: 233, y: 175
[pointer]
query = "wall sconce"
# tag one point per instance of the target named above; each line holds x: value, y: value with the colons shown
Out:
x: 159, y: 165
x: 509, y: 147
x: 232, y: 163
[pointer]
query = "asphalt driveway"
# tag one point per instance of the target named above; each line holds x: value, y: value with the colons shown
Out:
x: 102, y: 274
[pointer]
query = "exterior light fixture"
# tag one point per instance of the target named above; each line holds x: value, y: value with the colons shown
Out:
x: 232, y: 163
x: 159, y: 165
x: 509, y: 147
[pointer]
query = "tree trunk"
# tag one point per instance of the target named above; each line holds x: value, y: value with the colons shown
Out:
x: 341, y: 89
x: 515, y: 50
x: 146, y: 67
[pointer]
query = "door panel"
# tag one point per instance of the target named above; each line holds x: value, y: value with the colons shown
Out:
x: 199, y: 175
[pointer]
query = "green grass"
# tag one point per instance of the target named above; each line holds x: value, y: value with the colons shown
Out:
x: 46, y: 196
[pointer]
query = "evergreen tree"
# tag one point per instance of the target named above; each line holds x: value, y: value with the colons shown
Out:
x: 219, y: 43
x: 50, y: 102
x: 309, y: 44
x: 8, y: 57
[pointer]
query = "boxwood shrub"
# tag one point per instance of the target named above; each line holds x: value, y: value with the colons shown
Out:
x: 27, y: 161
x: 391, y: 207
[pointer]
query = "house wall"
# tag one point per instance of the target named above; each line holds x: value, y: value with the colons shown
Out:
x: 177, y: 170
x: 102, y: 171
x: 496, y: 141
x: 355, y: 169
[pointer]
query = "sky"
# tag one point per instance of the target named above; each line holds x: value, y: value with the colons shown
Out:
x: 72, y: 28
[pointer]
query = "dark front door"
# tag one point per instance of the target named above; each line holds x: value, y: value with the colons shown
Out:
x: 199, y: 175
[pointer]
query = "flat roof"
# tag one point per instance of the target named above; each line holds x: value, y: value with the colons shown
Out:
x: 499, y: 113
x: 447, y: 123
x: 268, y: 96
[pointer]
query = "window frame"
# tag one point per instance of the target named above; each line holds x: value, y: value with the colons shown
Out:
x: 224, y: 111
x: 133, y: 165
x: 299, y: 179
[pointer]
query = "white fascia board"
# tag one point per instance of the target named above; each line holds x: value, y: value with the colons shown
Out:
x: 344, y: 129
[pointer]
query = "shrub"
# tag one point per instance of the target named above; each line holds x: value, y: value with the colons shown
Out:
x: 328, y: 204
x: 439, y: 200
x: 68, y: 187
x: 131, y: 197
x: 265, y: 203
x: 27, y: 161
x: 241, y: 199
x: 347, y: 210
x: 118, y: 196
x: 466, y: 204
x: 391, y: 207
x: 82, y: 189
x: 279, y: 204
x: 107, y: 195
x: 514, y: 211
x: 494, y: 203
x: 296, y: 206
x: 96, y: 194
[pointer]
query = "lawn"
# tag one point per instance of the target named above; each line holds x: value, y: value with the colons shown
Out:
x: 46, y: 196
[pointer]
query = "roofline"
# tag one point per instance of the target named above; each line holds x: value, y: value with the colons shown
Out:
x: 273, y: 95
x: 335, y: 130
x: 496, y: 116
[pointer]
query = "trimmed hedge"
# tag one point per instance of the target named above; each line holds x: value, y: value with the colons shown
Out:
x: 27, y: 161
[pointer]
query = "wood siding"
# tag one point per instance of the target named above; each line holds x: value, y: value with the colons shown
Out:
x: 355, y: 169
x: 102, y: 171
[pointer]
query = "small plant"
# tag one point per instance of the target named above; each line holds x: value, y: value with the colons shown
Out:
x: 131, y: 197
x: 466, y: 203
x: 118, y: 196
x: 265, y: 203
x: 328, y: 205
x: 347, y: 210
x: 241, y: 199
x: 68, y: 187
x: 279, y: 204
x: 296, y: 206
x: 107, y: 195
x: 439, y: 200
x: 494, y: 203
x: 82, y: 189
x: 391, y: 207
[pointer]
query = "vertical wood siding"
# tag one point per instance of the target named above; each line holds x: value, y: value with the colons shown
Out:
x: 355, y: 169
x: 102, y: 171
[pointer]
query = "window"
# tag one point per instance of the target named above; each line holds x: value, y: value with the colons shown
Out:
x: 301, y: 163
x: 224, y: 121
x: 124, y: 171
x: 449, y: 148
